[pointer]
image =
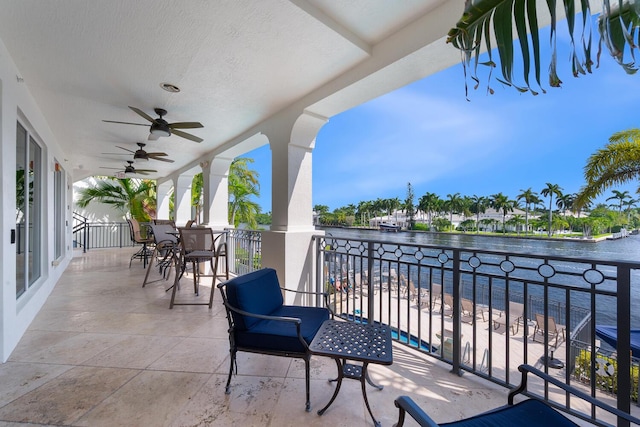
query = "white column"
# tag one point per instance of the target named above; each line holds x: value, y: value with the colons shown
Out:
x: 288, y: 247
x: 182, y: 201
x: 215, y: 187
x: 162, y: 200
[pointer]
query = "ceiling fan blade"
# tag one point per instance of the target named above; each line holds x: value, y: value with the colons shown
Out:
x: 116, y: 154
x: 186, y: 135
x: 157, y: 154
x: 142, y: 114
x: 104, y: 167
x: 185, y: 125
x: 145, y: 171
x: 126, y: 149
x: 161, y: 159
x: 125, y: 123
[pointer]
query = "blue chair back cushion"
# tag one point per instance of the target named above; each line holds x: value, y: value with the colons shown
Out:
x: 256, y: 292
x: 528, y: 413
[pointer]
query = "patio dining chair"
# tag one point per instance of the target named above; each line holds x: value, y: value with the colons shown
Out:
x: 140, y: 237
x: 553, y: 330
x: 170, y: 222
x: 199, y: 246
x: 165, y: 250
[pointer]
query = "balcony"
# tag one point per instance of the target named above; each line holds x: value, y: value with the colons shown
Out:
x: 105, y: 351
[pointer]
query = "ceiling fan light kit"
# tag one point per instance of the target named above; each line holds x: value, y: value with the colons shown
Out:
x: 161, y: 128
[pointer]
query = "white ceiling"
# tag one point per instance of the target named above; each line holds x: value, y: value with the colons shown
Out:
x: 237, y: 63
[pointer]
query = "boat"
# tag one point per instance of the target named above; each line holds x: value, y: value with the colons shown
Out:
x: 389, y: 226
x: 609, y: 334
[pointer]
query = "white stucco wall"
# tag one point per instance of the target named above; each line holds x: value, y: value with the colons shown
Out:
x: 16, y: 103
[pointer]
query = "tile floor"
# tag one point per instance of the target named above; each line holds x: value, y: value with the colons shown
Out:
x: 104, y: 351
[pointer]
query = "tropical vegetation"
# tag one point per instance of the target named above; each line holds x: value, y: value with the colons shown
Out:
x: 134, y: 197
x: 551, y: 214
x: 483, y: 20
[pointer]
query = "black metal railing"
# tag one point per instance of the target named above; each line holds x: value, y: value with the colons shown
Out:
x: 93, y: 235
x: 485, y: 311
x: 244, y: 251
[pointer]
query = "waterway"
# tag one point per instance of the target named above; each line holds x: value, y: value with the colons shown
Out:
x: 625, y: 249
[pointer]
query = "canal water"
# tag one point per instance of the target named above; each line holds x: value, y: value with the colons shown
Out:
x: 625, y: 249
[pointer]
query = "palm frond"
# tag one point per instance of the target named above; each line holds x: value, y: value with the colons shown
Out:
x: 619, y: 29
x: 617, y: 163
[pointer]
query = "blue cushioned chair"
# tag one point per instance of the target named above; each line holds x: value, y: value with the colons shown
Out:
x: 259, y: 322
x: 533, y: 412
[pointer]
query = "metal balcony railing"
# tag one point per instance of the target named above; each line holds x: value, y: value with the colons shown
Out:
x: 484, y: 311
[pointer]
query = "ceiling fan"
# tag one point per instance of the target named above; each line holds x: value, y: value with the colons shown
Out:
x: 160, y: 127
x: 140, y: 154
x: 130, y: 169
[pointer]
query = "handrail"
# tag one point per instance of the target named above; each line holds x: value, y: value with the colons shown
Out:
x: 81, y: 226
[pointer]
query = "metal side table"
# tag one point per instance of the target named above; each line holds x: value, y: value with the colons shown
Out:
x: 351, y: 341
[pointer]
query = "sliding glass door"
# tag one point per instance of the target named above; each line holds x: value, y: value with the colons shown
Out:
x: 28, y: 210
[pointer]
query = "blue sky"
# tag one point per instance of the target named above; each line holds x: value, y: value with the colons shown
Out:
x: 428, y: 134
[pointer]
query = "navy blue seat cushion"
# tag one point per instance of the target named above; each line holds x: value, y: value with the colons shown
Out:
x: 282, y: 336
x: 528, y: 413
x: 256, y: 292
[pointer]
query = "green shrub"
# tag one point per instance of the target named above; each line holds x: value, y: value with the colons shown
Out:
x: 605, y: 371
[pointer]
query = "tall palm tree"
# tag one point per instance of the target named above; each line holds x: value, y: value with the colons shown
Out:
x: 478, y: 206
x: 530, y: 197
x: 617, y: 163
x: 565, y: 203
x: 132, y: 196
x: 454, y: 202
x: 620, y: 196
x: 243, y: 185
x: 484, y: 19
x: 501, y: 203
x: 549, y: 191
x: 429, y: 203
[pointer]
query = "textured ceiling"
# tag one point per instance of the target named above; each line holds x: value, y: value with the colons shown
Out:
x: 237, y: 63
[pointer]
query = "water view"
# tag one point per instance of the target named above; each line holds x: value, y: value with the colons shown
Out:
x: 625, y: 249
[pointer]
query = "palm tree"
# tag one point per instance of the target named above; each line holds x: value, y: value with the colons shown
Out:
x: 617, y: 163
x: 478, y: 206
x: 620, y: 196
x: 484, y: 19
x: 530, y: 197
x: 629, y: 204
x: 549, y: 191
x: 565, y: 203
x: 454, y: 202
x: 429, y: 203
x: 500, y: 202
x: 132, y: 196
x: 243, y: 185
